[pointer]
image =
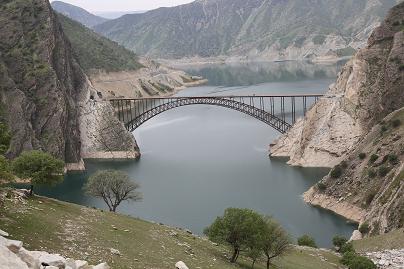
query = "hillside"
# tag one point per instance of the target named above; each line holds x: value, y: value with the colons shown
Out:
x: 357, y: 128
x: 273, y: 29
x: 96, y: 52
x: 77, y: 14
x: 141, y: 244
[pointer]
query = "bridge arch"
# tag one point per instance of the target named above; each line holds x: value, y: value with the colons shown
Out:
x: 134, y: 112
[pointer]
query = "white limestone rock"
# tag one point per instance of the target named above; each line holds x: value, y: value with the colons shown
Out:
x: 9, y: 260
x: 356, y: 235
x: 28, y: 258
x: 51, y: 259
x: 181, y: 265
x: 102, y: 266
x: 3, y: 233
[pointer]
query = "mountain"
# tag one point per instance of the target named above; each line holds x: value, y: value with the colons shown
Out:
x: 116, y: 14
x: 77, y: 14
x: 96, y: 52
x: 358, y: 129
x: 46, y: 99
x: 271, y: 29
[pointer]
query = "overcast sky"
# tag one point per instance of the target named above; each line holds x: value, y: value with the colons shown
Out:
x: 124, y: 5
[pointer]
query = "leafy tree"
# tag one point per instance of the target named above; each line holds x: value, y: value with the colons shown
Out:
x: 5, y: 170
x: 275, y: 240
x: 347, y: 247
x: 354, y: 261
x: 339, y: 241
x: 39, y: 167
x: 364, y: 228
x: 306, y: 240
x: 336, y: 172
x: 239, y: 228
x: 113, y: 187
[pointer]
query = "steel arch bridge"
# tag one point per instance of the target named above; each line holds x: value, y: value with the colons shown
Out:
x: 278, y: 111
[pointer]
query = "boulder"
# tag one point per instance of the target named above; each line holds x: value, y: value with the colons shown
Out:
x: 3, y: 233
x: 70, y: 264
x: 51, y: 259
x: 102, y: 266
x: 28, y: 258
x: 81, y: 264
x: 115, y: 251
x: 181, y: 265
x: 9, y: 260
x: 356, y: 235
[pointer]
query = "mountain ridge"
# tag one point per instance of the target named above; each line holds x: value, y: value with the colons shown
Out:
x: 273, y: 29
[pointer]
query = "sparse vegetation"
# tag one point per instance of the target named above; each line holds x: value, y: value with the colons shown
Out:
x: 321, y: 186
x: 371, y: 173
x: 336, y: 172
x: 383, y: 170
x: 364, y: 228
x: 339, y: 241
x: 373, y: 158
x: 396, y: 123
x: 362, y: 156
x: 393, y: 159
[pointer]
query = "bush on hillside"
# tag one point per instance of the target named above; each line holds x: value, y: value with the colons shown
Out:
x: 373, y: 158
x: 362, y: 156
x: 339, y: 241
x: 321, y: 186
x: 383, y: 170
x: 306, y: 240
x: 347, y: 247
x: 336, y: 172
x: 393, y: 159
x: 354, y: 261
x: 364, y: 228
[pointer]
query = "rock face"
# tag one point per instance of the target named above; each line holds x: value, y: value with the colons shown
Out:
x: 388, y: 259
x: 45, y: 95
x: 359, y: 128
x: 40, y: 81
x: 252, y: 29
x: 14, y: 256
x: 368, y: 88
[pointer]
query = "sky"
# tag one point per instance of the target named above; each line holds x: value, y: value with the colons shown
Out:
x: 124, y: 5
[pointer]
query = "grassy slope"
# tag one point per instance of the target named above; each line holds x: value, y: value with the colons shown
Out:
x: 96, y: 52
x: 392, y: 240
x: 84, y: 233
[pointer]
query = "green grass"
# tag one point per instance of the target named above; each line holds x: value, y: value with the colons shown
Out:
x: 85, y: 233
x: 392, y: 240
x: 96, y: 52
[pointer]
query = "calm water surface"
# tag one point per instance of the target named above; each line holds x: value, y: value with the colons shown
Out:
x: 199, y: 160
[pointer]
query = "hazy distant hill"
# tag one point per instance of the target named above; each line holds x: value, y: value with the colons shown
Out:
x: 116, y: 14
x: 256, y: 28
x: 97, y: 52
x: 77, y: 14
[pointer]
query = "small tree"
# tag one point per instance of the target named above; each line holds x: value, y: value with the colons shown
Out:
x: 339, y: 241
x: 275, y: 240
x: 239, y: 228
x: 39, y: 167
x: 113, y: 187
x: 306, y: 240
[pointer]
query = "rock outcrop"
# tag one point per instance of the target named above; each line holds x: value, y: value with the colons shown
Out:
x: 368, y: 88
x: 357, y: 128
x: 14, y: 256
x: 45, y: 95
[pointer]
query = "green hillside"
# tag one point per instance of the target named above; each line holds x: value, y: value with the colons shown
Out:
x: 96, y: 52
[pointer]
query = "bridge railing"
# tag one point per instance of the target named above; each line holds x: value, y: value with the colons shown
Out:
x: 284, y: 109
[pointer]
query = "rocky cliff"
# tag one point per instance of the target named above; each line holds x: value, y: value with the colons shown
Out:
x: 250, y: 29
x: 44, y: 92
x: 368, y: 88
x: 357, y: 128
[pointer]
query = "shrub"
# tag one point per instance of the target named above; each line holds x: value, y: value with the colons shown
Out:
x: 364, y: 228
x: 336, y: 172
x: 383, y: 129
x: 354, y: 261
x: 347, y: 247
x: 383, y: 170
x: 339, y: 241
x: 321, y: 186
x: 373, y: 158
x: 362, y: 156
x: 371, y: 173
x: 393, y: 159
x: 395, y: 123
x: 344, y: 164
x: 306, y: 240
x: 370, y: 197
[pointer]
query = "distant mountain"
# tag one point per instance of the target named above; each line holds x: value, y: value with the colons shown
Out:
x: 116, y: 14
x: 77, y: 14
x: 273, y: 29
x: 97, y: 52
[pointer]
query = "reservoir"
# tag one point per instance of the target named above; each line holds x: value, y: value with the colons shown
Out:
x: 199, y: 160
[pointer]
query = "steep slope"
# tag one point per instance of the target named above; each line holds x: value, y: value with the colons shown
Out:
x: 358, y: 128
x: 77, y: 14
x: 269, y: 29
x: 44, y: 92
x: 96, y: 52
x: 368, y: 88
x: 117, y: 72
